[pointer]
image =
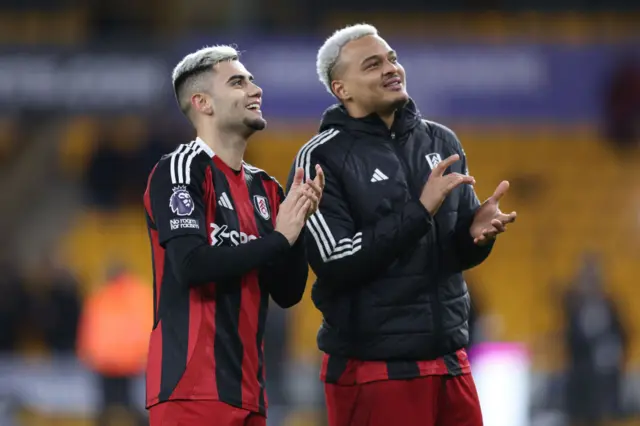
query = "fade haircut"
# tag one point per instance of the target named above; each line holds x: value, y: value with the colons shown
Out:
x: 329, y: 53
x: 187, y: 76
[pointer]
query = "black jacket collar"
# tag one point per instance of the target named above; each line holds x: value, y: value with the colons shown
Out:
x: 406, y: 119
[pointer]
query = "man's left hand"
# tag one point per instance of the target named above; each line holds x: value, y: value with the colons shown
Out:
x: 489, y: 221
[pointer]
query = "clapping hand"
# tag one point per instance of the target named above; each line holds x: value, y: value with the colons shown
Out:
x: 489, y: 221
x: 312, y: 189
x: 316, y: 186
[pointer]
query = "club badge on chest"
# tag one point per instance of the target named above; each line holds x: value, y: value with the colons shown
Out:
x: 433, y: 159
x: 262, y: 206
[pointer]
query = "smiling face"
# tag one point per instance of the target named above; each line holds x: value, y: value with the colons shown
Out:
x: 368, y: 77
x: 236, y: 98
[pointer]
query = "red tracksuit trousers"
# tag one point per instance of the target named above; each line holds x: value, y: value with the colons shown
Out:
x: 424, y: 401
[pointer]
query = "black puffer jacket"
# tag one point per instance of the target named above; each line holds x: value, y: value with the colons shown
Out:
x: 390, y: 280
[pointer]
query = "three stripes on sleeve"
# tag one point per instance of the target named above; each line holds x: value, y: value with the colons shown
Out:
x: 328, y: 247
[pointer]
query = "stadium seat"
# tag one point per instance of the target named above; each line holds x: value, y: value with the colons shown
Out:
x: 78, y: 146
x: 51, y: 27
x: 100, y: 238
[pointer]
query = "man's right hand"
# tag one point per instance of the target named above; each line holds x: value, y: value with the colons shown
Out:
x: 293, y: 210
x: 439, y: 186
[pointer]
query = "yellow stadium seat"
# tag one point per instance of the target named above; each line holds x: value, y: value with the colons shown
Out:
x: 78, y: 146
x: 101, y: 238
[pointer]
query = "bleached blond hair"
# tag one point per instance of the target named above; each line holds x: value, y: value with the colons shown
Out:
x: 186, y: 76
x: 329, y: 52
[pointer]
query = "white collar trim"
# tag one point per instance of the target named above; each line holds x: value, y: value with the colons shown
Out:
x: 206, y: 148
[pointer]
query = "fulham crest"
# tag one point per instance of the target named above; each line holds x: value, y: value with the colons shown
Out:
x: 262, y: 206
x: 433, y: 159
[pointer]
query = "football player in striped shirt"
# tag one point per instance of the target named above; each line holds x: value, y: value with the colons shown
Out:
x: 224, y: 240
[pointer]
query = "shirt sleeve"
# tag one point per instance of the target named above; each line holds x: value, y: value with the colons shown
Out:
x: 341, y: 254
x: 195, y: 263
x: 176, y: 198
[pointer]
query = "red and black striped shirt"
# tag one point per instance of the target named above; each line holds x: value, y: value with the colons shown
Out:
x: 216, y: 261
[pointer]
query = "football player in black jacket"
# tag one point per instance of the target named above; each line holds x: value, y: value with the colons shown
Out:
x: 398, y: 223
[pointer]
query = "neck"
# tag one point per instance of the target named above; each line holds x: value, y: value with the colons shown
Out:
x: 387, y: 119
x: 228, y: 146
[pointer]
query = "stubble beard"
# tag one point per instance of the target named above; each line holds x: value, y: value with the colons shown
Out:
x: 250, y: 125
x: 255, y: 123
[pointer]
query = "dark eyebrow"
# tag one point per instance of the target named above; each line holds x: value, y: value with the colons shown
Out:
x: 240, y: 77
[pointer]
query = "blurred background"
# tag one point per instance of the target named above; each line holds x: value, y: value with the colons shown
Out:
x: 545, y: 93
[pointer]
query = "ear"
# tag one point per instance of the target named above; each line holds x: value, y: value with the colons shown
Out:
x: 202, y: 103
x: 339, y: 89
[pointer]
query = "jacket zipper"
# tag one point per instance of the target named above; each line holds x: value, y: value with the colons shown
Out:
x: 435, y: 305
x: 403, y: 162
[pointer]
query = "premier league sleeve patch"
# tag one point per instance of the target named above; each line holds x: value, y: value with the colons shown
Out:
x: 181, y: 203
